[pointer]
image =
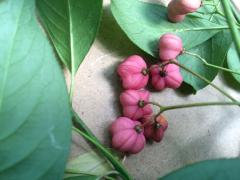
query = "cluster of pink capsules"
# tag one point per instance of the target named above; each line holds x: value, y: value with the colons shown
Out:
x: 129, y: 132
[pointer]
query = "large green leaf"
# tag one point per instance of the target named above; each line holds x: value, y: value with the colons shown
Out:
x: 234, y: 61
x: 72, y: 26
x: 224, y: 169
x: 214, y: 51
x: 144, y: 23
x: 35, y: 119
x: 90, y: 163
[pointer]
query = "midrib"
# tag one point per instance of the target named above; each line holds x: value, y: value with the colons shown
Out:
x: 73, y: 69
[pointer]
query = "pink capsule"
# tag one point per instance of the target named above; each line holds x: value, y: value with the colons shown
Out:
x: 184, y: 6
x: 170, y: 46
x: 176, y: 18
x: 133, y: 72
x: 167, y: 77
x: 177, y: 9
x: 155, y: 130
x: 134, y: 103
x: 172, y: 14
x: 127, y: 135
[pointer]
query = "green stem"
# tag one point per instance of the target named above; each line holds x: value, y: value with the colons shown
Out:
x: 155, y: 104
x: 117, y: 164
x: 72, y: 87
x: 73, y: 57
x: 181, y: 106
x: 78, y: 122
x: 83, y: 128
x: 204, y: 79
x: 231, y: 23
x: 210, y: 65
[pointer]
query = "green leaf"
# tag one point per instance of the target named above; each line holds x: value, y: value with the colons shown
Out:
x: 144, y: 23
x: 233, y: 61
x: 35, y: 118
x: 86, y: 177
x: 72, y: 26
x: 89, y: 163
x: 214, y: 51
x: 224, y: 169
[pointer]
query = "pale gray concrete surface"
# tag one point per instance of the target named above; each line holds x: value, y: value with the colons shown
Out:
x: 193, y: 134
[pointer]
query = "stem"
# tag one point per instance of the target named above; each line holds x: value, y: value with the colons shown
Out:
x: 210, y: 65
x: 118, y: 165
x: 181, y: 106
x: 73, y: 57
x: 204, y: 79
x: 77, y: 121
x: 155, y: 104
x: 72, y: 86
x: 84, y: 129
x: 232, y: 25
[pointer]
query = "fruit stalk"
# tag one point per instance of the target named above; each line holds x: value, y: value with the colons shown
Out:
x: 210, y: 65
x: 204, y: 79
x: 181, y: 106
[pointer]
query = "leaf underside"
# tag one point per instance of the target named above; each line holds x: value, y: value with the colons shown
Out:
x: 35, y: 120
